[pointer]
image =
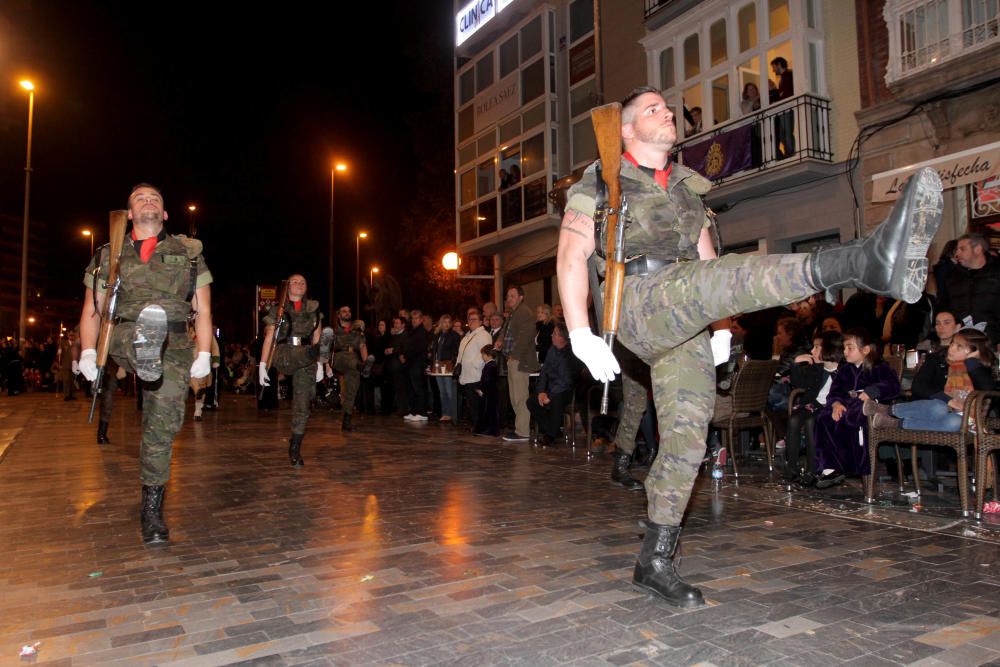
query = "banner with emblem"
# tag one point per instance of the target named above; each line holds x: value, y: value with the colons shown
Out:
x: 722, y: 155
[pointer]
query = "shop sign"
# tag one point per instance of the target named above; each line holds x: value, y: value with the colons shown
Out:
x: 956, y: 170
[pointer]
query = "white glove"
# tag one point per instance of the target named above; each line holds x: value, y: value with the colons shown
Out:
x: 262, y: 375
x: 202, y: 366
x: 88, y: 364
x: 721, y: 340
x: 319, y: 372
x: 595, y: 353
x: 76, y: 367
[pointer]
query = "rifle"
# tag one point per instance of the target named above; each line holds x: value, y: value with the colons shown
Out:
x: 118, y: 222
x: 607, y: 121
x: 282, y: 300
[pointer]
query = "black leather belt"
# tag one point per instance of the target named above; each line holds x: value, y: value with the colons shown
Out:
x: 642, y: 265
x: 172, y: 327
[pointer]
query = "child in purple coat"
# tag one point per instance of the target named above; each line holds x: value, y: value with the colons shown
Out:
x: 841, y: 434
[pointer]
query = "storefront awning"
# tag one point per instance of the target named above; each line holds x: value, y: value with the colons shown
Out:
x: 958, y: 169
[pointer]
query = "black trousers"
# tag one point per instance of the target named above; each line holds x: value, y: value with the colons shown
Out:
x: 549, y: 417
x: 417, y: 388
x: 801, y: 422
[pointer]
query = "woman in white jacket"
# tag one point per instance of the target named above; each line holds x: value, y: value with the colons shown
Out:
x: 471, y: 361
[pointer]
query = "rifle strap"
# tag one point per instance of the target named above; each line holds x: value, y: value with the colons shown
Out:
x: 600, y: 212
x: 194, y: 279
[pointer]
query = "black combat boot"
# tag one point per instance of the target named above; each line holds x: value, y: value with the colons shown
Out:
x: 892, y: 261
x: 102, y: 433
x: 154, y: 529
x: 345, y: 425
x: 654, y: 569
x: 620, y: 473
x: 294, y: 445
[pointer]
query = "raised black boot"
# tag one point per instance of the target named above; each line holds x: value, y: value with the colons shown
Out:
x: 654, y: 569
x: 892, y: 261
x: 345, y: 425
x: 294, y: 445
x: 620, y: 473
x: 154, y: 529
x: 102, y: 433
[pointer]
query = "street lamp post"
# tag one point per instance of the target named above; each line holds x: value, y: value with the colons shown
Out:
x: 23, y: 317
x: 90, y: 235
x: 371, y: 277
x: 357, y: 272
x: 192, y: 228
x: 333, y: 182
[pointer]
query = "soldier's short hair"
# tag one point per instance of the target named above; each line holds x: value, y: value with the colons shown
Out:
x: 145, y: 185
x: 628, y: 104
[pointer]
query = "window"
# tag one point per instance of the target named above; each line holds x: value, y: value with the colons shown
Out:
x: 584, y: 142
x: 484, y: 72
x: 467, y: 86
x: 533, y: 81
x: 510, y: 130
x: 512, y: 210
x: 747, y: 27
x: 692, y: 59
x: 581, y: 19
x: 467, y: 227
x: 777, y: 17
x: 484, y: 178
x: 488, y: 216
x: 751, y: 99
x: 533, y: 116
x: 508, y: 56
x: 467, y: 154
x: 582, y: 98
x: 510, y: 166
x: 468, y: 186
x: 717, y: 42
x: 533, y: 156
x: 531, y: 39
x: 720, y: 100
x: 667, y: 68
x: 692, y: 100
x: 466, y: 123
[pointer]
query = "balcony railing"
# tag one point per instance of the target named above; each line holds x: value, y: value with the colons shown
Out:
x: 927, y: 33
x: 653, y: 6
x: 795, y: 130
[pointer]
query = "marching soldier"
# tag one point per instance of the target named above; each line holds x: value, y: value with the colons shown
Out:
x: 348, y: 343
x: 299, y: 352
x: 163, y: 279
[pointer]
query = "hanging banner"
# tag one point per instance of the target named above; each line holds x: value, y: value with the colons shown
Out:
x: 956, y: 170
x: 722, y: 155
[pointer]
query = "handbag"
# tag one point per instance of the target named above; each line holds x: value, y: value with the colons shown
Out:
x: 457, y: 370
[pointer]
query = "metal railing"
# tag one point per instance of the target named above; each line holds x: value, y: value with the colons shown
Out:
x: 795, y: 130
x: 927, y: 33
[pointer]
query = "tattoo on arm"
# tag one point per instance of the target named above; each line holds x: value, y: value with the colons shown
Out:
x: 568, y: 228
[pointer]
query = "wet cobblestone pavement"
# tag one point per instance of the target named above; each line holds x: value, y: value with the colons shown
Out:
x: 418, y: 544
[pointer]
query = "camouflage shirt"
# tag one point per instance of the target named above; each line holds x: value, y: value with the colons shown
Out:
x: 164, y: 280
x: 301, y: 323
x: 661, y: 224
x: 347, y: 341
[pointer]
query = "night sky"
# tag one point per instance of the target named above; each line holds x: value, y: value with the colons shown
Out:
x: 239, y: 112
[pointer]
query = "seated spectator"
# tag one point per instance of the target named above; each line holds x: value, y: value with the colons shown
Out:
x: 942, y: 384
x: 840, y: 424
x: 814, y: 374
x: 945, y: 326
x: 831, y: 323
x: 789, y: 343
x: 554, y: 388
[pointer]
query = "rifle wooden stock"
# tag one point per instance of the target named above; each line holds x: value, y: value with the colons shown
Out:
x: 607, y: 121
x: 117, y: 222
x: 282, y: 300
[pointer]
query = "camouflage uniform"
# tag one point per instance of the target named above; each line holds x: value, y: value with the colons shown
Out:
x: 665, y: 314
x: 299, y: 361
x: 346, y: 346
x: 165, y: 280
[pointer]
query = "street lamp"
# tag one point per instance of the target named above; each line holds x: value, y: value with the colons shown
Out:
x: 90, y: 235
x: 23, y: 316
x: 192, y: 209
x: 371, y: 276
x: 357, y: 272
x: 333, y: 180
x: 450, y: 261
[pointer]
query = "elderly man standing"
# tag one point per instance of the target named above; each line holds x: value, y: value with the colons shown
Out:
x: 518, y: 347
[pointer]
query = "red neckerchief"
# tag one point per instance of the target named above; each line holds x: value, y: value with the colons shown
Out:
x: 660, y: 175
x: 297, y: 305
x: 148, y: 246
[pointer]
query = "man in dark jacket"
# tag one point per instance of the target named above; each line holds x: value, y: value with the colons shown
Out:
x: 554, y: 388
x: 414, y: 356
x: 974, y: 287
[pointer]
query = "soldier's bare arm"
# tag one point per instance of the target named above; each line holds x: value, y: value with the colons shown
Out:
x: 90, y: 319
x: 576, y: 244
x: 202, y: 305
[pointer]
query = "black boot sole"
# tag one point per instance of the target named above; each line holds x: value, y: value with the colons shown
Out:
x: 682, y: 604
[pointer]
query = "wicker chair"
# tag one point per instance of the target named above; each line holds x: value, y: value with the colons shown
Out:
x: 987, y: 442
x: 748, y: 401
x: 958, y: 441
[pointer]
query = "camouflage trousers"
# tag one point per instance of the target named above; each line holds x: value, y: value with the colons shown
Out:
x: 346, y: 363
x: 635, y: 380
x: 299, y: 361
x: 664, y: 319
x: 163, y: 402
